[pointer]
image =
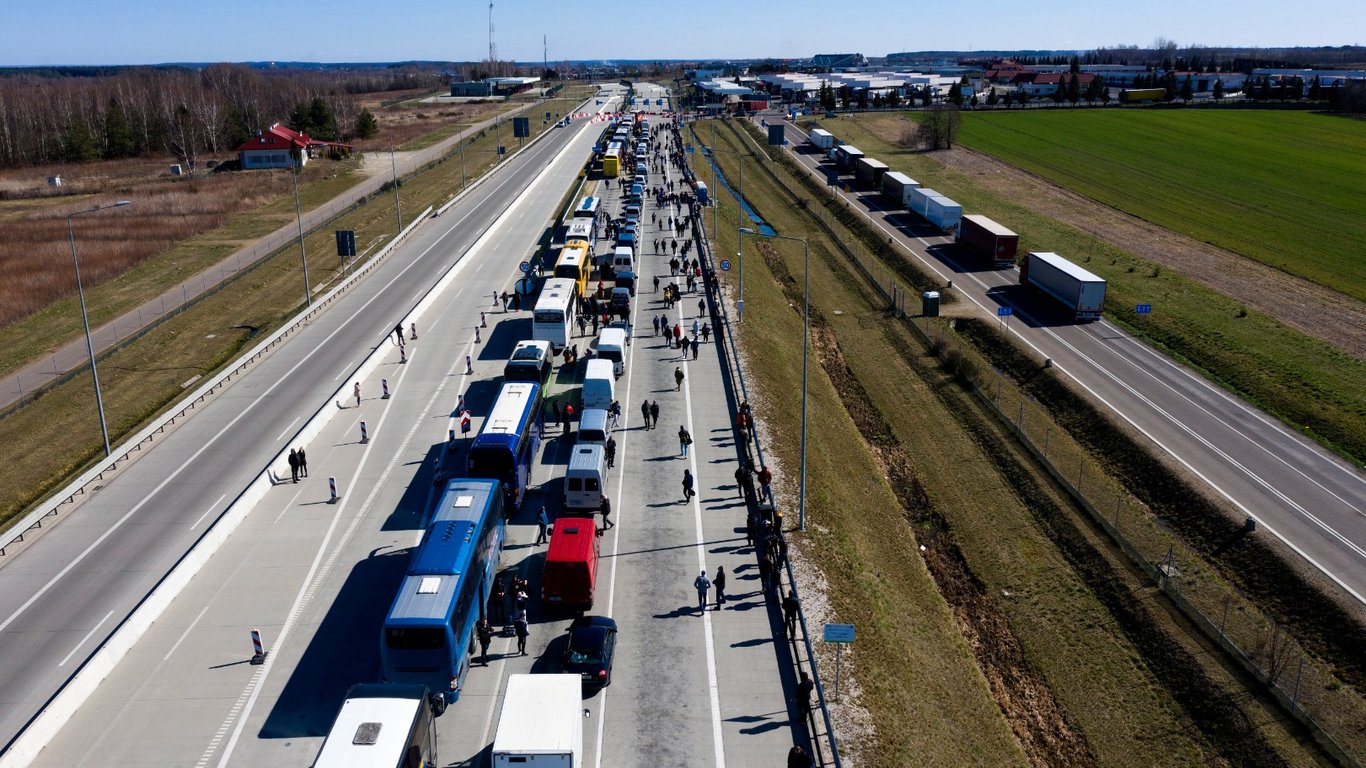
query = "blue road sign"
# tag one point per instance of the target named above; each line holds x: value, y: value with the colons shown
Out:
x: 525, y: 266
x: 688, y: 149
x: 725, y: 265
x: 1144, y: 309
x: 839, y: 633
x: 1004, y: 312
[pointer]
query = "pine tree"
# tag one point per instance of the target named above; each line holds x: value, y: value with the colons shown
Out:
x: 366, y: 125
x: 1060, y: 93
x: 79, y: 145
x: 1218, y: 90
x: 1315, y: 89
x: 1187, y: 89
x: 956, y: 94
x: 118, y: 135
x: 1073, y: 88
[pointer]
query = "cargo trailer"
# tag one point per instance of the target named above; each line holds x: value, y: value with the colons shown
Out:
x: 701, y: 190
x: 869, y: 171
x: 984, y: 236
x: 541, y: 723
x: 1076, y: 288
x: 919, y: 196
x: 943, y: 213
x: 822, y: 139
x: 846, y: 155
x: 898, y: 186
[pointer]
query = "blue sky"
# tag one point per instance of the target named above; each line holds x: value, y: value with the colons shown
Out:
x: 155, y: 31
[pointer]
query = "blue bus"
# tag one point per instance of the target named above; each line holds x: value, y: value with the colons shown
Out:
x: 428, y: 636
x: 508, y: 441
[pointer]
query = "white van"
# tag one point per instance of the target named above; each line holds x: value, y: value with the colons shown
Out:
x: 586, y: 479
x: 599, y: 384
x: 592, y: 427
x: 612, y: 346
x: 623, y: 260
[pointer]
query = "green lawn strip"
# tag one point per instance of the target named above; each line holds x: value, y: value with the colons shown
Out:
x: 1310, y: 385
x: 57, y: 434
x: 1066, y: 631
x: 1281, y: 187
x: 912, y: 664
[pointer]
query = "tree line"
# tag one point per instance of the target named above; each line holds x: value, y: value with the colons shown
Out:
x: 180, y: 111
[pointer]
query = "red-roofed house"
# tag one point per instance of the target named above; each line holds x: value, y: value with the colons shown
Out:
x: 1046, y: 83
x: 278, y: 146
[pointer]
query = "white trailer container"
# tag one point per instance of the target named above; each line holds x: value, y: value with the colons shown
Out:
x: 898, y: 186
x: 541, y: 723
x: 1077, y: 288
x: 943, y: 213
x: 919, y: 196
x: 821, y: 138
x: 846, y: 155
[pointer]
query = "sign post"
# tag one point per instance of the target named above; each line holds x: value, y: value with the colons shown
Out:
x: 346, y: 245
x: 1143, y: 310
x: 841, y: 635
x: 1005, y: 313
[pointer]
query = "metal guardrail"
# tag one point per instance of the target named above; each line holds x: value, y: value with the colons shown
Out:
x: 826, y: 753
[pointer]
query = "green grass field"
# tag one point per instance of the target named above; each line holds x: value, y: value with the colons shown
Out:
x: 1283, y: 188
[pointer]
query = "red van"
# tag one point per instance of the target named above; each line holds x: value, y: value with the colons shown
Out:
x: 571, y: 565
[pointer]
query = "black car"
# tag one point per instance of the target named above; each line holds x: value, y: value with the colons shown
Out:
x: 592, y: 643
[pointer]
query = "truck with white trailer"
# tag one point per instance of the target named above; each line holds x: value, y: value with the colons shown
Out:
x: 821, y: 139
x: 898, y: 186
x: 845, y: 155
x: 1076, y: 288
x: 869, y: 171
x: 984, y: 236
x: 937, y: 209
x: 541, y: 723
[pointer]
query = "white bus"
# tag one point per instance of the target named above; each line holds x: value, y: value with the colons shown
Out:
x: 587, y: 208
x: 582, y: 231
x: 382, y: 725
x: 553, y: 318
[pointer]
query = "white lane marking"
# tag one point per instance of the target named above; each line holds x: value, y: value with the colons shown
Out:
x: 92, y: 631
x: 185, y: 634
x: 318, y: 571
x: 211, y: 508
x: 285, y: 431
x: 264, y: 397
x: 928, y: 262
x: 713, y: 688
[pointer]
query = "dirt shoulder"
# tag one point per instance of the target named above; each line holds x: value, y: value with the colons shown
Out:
x: 1312, y: 309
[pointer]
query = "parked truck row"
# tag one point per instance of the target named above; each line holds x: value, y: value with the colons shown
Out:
x: 1076, y: 288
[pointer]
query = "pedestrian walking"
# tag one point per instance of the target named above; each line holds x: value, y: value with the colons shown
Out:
x: 750, y: 528
x: 656, y: 290
x: 303, y: 462
x: 694, y: 348
x: 293, y: 466
x: 654, y: 414
x: 614, y: 414
x: 703, y: 586
x: 611, y: 449
x: 741, y: 475
x: 804, y: 689
x: 498, y: 599
x: 684, y: 440
x: 645, y: 412
x: 696, y: 329
x: 687, y: 485
x: 583, y: 324
x: 719, y: 581
x: 398, y: 331
x: 765, y: 479
x: 485, y: 632
x: 702, y: 307
x: 542, y: 520
x: 605, y: 507
x: 519, y: 626
x: 678, y: 333
x: 559, y: 416
x: 356, y: 389
x: 655, y: 319
x: 678, y: 378
x: 706, y: 331
x: 663, y: 319
x: 765, y: 571
x: 797, y: 758
x: 790, y: 607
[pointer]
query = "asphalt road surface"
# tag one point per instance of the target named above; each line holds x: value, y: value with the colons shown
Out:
x: 690, y: 688
x: 1308, y: 498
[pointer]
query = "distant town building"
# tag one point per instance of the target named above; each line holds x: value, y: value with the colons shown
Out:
x: 836, y: 60
x: 492, y: 86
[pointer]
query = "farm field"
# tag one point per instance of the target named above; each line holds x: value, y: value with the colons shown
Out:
x: 1282, y: 188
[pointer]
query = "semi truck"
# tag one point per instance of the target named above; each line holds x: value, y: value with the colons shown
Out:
x: 935, y: 208
x: 1076, y: 288
x: 898, y: 186
x: 869, y: 171
x: 845, y: 155
x: 701, y: 190
x: 541, y: 723
x: 984, y: 236
x: 821, y: 139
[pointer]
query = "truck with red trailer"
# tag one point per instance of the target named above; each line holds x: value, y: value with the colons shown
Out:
x: 984, y: 236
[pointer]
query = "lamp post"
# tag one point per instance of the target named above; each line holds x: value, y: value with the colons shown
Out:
x: 85, y: 317
x: 398, y: 206
x: 299, y: 217
x: 806, y: 346
x: 739, y: 217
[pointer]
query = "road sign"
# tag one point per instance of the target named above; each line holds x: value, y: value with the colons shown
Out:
x: 839, y: 633
x: 1004, y: 312
x: 725, y: 265
x: 1143, y: 309
x: 346, y: 243
x: 525, y: 266
x: 688, y: 149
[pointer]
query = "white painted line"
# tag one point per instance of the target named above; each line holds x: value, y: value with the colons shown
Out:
x: 83, y: 639
x: 285, y: 431
x: 211, y: 508
x: 186, y: 633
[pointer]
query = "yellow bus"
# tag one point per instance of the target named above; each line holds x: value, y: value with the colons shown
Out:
x: 575, y: 264
x: 611, y: 161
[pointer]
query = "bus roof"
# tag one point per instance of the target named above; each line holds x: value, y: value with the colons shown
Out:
x: 557, y: 294
x: 465, y: 499
x: 422, y: 600
x: 511, y: 410
x: 579, y: 229
x: 587, y: 205
x: 573, y: 253
x: 373, y: 726
x: 441, y: 548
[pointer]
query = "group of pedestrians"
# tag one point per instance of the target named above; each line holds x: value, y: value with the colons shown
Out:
x: 298, y: 464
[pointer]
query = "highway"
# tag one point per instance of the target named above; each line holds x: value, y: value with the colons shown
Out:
x: 316, y: 578
x: 1311, y: 500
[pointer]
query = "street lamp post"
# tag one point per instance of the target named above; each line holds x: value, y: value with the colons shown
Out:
x: 299, y: 217
x: 739, y: 218
x: 806, y: 347
x: 398, y: 205
x: 85, y: 317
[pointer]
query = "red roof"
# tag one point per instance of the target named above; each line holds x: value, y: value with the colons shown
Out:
x: 279, y: 137
x: 1051, y: 78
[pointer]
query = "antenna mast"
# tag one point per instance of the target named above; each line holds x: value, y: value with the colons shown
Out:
x: 493, y: 49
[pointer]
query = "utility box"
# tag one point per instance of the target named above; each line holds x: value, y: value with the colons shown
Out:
x: 929, y: 303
